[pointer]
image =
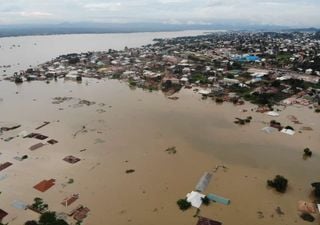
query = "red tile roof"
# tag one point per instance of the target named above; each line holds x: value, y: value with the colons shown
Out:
x: 44, y: 185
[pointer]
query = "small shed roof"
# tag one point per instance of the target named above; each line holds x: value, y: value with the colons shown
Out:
x: 206, y: 221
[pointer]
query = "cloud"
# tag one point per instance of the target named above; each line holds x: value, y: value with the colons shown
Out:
x: 35, y: 14
x: 111, y: 6
x: 280, y: 12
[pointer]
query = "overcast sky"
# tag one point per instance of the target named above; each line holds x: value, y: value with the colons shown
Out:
x: 275, y: 12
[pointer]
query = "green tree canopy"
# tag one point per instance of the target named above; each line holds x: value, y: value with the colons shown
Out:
x: 50, y: 218
x: 31, y: 222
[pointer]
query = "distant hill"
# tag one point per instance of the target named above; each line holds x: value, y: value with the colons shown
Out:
x: 310, y: 29
x: 91, y: 28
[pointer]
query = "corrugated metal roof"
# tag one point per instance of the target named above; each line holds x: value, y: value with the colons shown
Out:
x: 218, y: 199
x: 204, y: 182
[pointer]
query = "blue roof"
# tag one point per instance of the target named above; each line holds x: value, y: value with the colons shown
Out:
x: 247, y: 58
x: 218, y: 199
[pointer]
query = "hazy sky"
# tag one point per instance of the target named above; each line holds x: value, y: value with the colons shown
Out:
x: 280, y: 12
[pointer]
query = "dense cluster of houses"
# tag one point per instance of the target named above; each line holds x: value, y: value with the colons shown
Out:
x: 264, y: 68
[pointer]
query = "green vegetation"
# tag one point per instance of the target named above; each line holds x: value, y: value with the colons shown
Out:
x: 70, y: 181
x: 219, y: 100
x: 74, y: 60
x: 312, y: 85
x: 50, y: 218
x: 230, y: 76
x: 295, y: 83
x: 198, y: 77
x: 276, y: 83
x: 280, y: 183
x: 205, y: 200
x: 31, y: 222
x: 283, y: 58
x: 243, y: 121
x: 39, y: 205
x: 307, y: 152
x: 171, y: 150
x: 275, y: 123
x: 235, y: 66
x: 264, y: 98
x: 183, y: 204
x: 197, y: 58
x: 246, y: 75
x: 116, y: 76
x: 132, y: 82
x: 47, y: 218
x: 307, y: 217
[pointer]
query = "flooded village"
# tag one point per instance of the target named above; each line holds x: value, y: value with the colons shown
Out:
x: 186, y: 130
x: 263, y: 68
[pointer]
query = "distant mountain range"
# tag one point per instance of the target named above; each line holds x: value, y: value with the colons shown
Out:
x: 96, y: 28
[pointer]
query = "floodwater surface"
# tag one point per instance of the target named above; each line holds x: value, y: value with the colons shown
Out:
x: 130, y: 129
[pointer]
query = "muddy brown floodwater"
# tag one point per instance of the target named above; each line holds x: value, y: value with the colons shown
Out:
x: 130, y: 130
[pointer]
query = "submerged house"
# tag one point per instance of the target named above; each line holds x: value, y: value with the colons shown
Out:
x: 195, y: 198
x: 206, y: 221
x: 204, y: 182
x: 3, y: 214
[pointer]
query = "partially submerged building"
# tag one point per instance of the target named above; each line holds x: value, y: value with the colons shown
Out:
x: 3, y: 214
x: 204, y: 182
x: 206, y: 221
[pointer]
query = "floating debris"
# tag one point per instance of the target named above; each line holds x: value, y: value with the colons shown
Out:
x: 171, y: 150
x: 130, y: 171
x: 59, y: 100
x: 71, y: 159
x: 36, y: 146
x: 43, y: 125
x: 243, y: 121
x: 279, y: 211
